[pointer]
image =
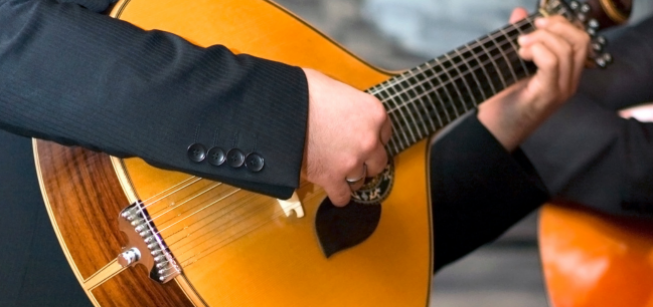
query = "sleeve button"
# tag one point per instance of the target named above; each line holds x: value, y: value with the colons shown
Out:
x: 196, y: 152
x: 217, y: 156
x: 254, y: 162
x: 235, y: 158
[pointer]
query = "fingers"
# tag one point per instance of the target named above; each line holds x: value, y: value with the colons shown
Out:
x: 376, y: 159
x: 578, y: 39
x: 346, y: 133
x: 553, y: 56
x: 356, y: 181
x: 518, y: 14
x: 559, y: 50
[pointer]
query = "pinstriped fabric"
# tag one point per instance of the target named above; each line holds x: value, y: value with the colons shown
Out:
x: 77, y: 77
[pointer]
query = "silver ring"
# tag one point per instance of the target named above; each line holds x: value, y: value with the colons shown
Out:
x: 356, y: 180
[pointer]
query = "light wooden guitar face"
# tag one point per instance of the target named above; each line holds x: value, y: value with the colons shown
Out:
x: 237, y: 248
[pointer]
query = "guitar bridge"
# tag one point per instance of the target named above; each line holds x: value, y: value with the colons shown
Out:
x: 145, y: 245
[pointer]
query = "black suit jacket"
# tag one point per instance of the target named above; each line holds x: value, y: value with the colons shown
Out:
x: 74, y: 76
x: 70, y: 74
x: 586, y: 152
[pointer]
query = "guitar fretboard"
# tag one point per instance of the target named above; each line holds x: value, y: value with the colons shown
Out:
x: 428, y: 97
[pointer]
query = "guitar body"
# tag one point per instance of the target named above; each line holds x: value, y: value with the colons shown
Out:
x: 250, y: 253
x: 593, y: 259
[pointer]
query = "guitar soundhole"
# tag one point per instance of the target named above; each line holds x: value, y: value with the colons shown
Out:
x: 376, y: 189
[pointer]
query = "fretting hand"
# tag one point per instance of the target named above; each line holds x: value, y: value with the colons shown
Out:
x: 559, y: 50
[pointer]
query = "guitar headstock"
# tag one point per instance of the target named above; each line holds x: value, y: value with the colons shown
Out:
x: 592, y: 15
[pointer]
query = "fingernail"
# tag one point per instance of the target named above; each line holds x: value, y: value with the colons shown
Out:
x: 541, y: 22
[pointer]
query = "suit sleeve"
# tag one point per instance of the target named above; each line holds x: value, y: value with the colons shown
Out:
x: 585, y: 152
x: 478, y: 190
x: 74, y: 76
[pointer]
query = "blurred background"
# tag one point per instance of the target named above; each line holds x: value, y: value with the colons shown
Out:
x: 399, y: 34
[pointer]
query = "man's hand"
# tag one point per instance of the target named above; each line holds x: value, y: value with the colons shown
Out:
x: 347, y: 130
x: 559, y: 50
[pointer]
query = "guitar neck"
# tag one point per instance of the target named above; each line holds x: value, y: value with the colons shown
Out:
x: 430, y: 96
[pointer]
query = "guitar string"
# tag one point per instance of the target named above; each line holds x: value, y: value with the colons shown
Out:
x: 399, y: 126
x: 181, y: 253
x: 156, y: 215
x: 170, y: 191
x: 183, y: 187
x: 207, y: 251
x: 225, y: 211
x: 174, y: 205
x: 238, y: 234
x: 394, y: 81
x: 517, y: 26
x: 472, y: 70
x: 183, y: 245
x: 404, y: 104
x: 189, y: 262
x: 528, y: 21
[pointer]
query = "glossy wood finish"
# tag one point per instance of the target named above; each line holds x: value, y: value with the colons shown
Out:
x: 249, y: 253
x: 84, y: 198
x: 280, y: 263
x: 79, y: 184
x: 260, y: 257
x: 592, y: 259
x: 133, y: 288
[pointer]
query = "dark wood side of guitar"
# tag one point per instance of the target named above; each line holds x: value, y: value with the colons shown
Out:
x: 85, y: 196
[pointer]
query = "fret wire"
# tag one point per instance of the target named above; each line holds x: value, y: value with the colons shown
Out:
x: 452, y: 83
x: 382, y: 88
x: 522, y: 70
x: 410, y: 131
x: 516, y: 48
x: 396, y: 123
x: 437, y: 94
x: 473, y: 72
x: 391, y: 82
x: 462, y: 77
x: 398, y: 126
x: 496, y: 67
x: 392, y: 148
x: 432, y: 125
x: 439, y: 86
x: 530, y: 67
x: 421, y: 116
x: 413, y: 112
x: 488, y: 39
x: 487, y: 76
x: 507, y: 61
x: 442, y: 85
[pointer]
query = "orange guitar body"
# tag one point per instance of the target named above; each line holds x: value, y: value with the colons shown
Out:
x: 594, y: 260
x: 266, y: 258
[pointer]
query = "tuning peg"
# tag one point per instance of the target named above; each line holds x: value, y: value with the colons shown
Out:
x: 598, y: 48
x: 585, y: 8
x: 593, y: 24
x: 601, y: 40
x: 599, y: 43
x: 604, y: 60
x: 591, y: 32
x: 574, y: 5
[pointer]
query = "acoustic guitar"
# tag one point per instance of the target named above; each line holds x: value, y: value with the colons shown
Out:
x: 136, y: 235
